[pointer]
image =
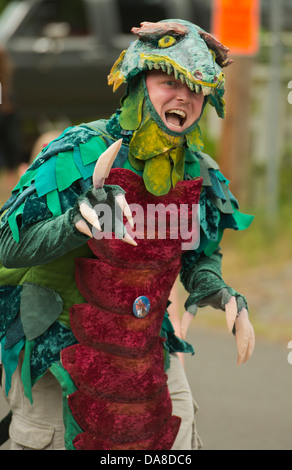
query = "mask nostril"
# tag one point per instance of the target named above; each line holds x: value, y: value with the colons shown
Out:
x: 198, y: 75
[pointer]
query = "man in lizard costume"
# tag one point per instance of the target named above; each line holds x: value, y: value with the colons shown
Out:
x: 68, y: 295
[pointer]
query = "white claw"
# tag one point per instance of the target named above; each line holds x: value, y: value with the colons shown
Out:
x: 128, y: 239
x: 122, y: 203
x: 231, y: 312
x: 104, y: 164
x: 82, y: 226
x: 90, y: 215
x: 251, y: 343
x: 244, y: 337
x: 101, y: 172
x: 185, y: 323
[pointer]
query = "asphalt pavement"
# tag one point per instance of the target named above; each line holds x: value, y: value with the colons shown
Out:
x: 247, y: 407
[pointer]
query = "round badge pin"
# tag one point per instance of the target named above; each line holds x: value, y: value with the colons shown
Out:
x: 141, y: 306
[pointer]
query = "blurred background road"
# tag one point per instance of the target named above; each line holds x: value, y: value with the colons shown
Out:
x: 54, y: 59
x: 245, y: 407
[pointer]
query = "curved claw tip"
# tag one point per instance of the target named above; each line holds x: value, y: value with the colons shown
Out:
x: 185, y: 323
x: 231, y: 313
x: 128, y: 239
x: 104, y: 164
x: 245, y: 337
x: 124, y: 206
x: 90, y: 215
x: 82, y: 226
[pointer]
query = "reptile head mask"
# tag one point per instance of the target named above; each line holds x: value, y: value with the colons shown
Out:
x: 177, y: 47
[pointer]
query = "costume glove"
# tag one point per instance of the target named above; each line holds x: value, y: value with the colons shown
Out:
x: 110, y: 199
x: 206, y: 286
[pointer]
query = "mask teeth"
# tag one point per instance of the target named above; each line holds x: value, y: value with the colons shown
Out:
x: 206, y: 90
x: 176, y: 74
x: 150, y: 65
x: 162, y: 65
x: 168, y: 68
x: 190, y: 85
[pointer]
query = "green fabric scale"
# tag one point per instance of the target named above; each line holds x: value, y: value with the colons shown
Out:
x: 57, y: 174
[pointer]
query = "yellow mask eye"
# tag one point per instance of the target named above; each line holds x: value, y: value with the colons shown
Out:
x: 166, y: 41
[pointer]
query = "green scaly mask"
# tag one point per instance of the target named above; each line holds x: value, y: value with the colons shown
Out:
x: 191, y: 54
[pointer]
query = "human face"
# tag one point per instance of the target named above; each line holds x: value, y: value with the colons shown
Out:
x: 177, y: 105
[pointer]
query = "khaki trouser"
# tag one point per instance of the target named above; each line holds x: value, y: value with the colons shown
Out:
x: 40, y: 425
x: 184, y: 406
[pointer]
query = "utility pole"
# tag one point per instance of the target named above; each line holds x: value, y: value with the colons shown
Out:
x: 234, y: 146
x: 236, y: 25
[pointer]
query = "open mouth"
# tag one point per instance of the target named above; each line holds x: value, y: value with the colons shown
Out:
x: 176, y: 118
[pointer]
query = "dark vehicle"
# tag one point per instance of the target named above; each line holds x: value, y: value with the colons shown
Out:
x: 63, y: 50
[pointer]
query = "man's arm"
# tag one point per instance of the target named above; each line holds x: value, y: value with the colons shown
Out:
x: 203, y: 280
x: 40, y: 242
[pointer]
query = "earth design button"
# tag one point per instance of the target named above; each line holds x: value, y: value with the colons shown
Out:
x: 141, y: 306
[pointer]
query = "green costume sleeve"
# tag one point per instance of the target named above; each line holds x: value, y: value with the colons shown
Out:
x: 38, y: 224
x: 194, y: 280
x: 203, y: 280
x: 40, y: 243
x: 201, y: 272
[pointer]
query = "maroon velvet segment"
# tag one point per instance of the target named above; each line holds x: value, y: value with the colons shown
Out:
x: 102, y: 374
x: 124, y: 335
x: 122, y: 401
x: 118, y: 288
x: 109, y: 419
x: 161, y: 440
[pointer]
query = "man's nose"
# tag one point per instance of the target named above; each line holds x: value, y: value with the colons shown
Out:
x: 183, y: 94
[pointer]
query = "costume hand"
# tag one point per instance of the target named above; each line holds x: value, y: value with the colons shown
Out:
x: 237, y: 319
x: 85, y: 215
x: 244, y: 332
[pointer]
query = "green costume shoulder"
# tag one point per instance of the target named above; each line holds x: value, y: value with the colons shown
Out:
x: 45, y: 191
x: 67, y: 159
x: 219, y: 209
